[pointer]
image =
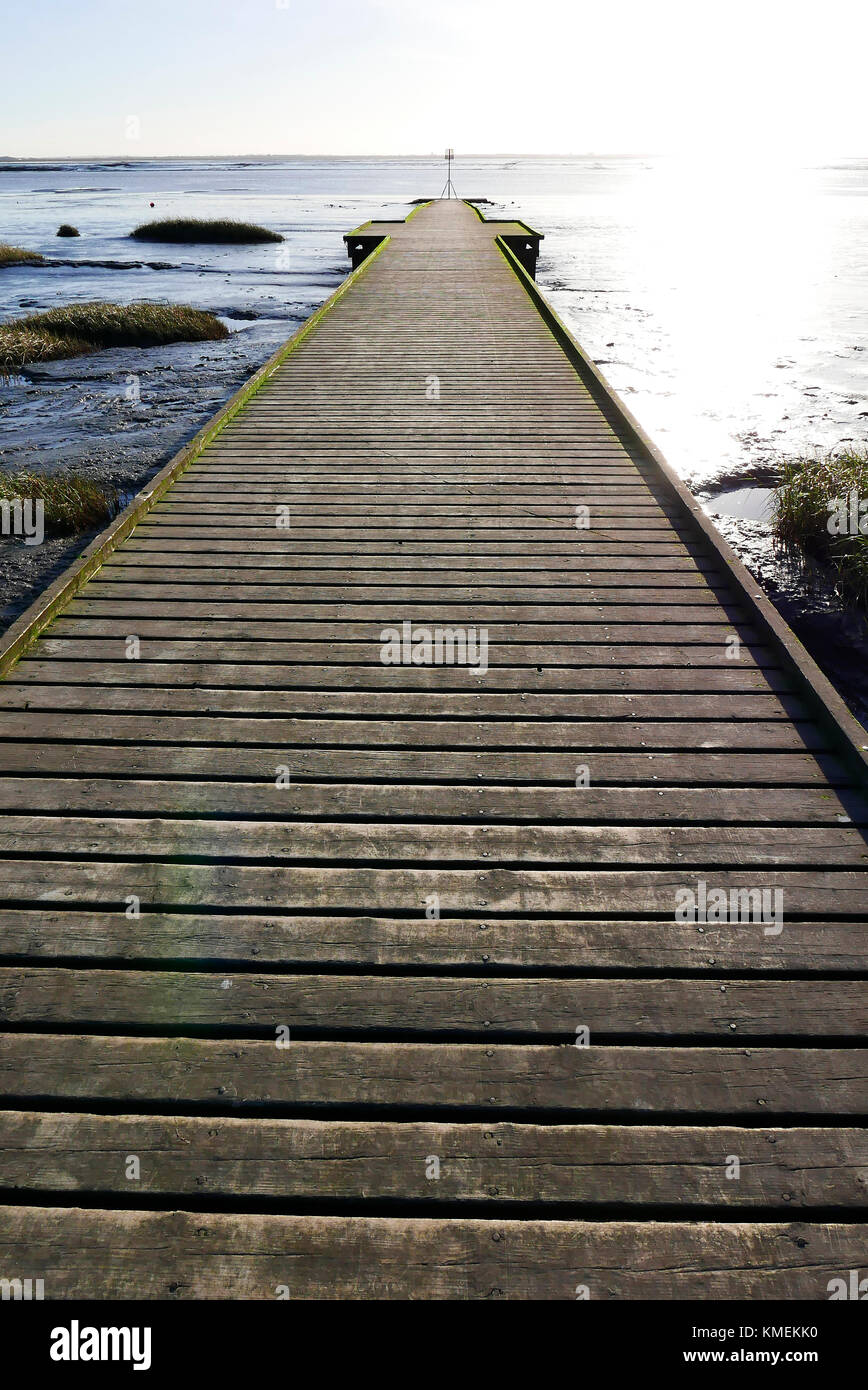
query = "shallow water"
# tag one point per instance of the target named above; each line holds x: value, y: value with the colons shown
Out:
x: 749, y: 503
x: 729, y: 308
x: 727, y: 305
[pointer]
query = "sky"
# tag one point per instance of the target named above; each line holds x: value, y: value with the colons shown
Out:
x: 139, y: 78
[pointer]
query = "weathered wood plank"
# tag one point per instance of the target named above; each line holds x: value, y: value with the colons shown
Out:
x: 490, y: 890
x: 361, y: 639
x: 573, y: 735
x: 229, y: 504
x: 627, y: 945
x: 703, y: 649
x: 526, y: 705
x: 671, y: 804
x: 262, y: 764
x: 434, y: 843
x: 141, y: 1072
x: 269, y: 675
x: 293, y: 595
x: 321, y: 1005
x: 278, y: 1160
x: 605, y: 527
x: 465, y: 544
x: 129, y: 1254
x: 559, y: 621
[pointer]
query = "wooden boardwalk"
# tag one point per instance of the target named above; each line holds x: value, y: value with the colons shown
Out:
x: 242, y: 1054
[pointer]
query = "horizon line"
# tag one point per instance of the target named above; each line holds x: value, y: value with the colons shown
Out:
x: 125, y: 158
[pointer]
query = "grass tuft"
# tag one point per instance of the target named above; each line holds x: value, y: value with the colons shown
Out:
x: 79, y: 328
x: 71, y: 503
x: 815, y: 494
x: 14, y: 255
x: 66, y: 230
x: 193, y: 229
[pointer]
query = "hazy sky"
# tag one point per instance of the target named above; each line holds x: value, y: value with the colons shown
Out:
x: 410, y: 76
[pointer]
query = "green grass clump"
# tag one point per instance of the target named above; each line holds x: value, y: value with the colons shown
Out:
x: 192, y: 229
x: 79, y: 328
x: 71, y: 503
x: 20, y: 345
x: 805, y: 503
x: 66, y: 230
x: 14, y: 255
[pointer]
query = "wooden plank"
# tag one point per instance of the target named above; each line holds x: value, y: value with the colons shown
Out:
x: 244, y: 507
x: 670, y: 805
x: 299, y: 618
x: 262, y: 764
x: 546, y: 463
x: 620, y: 525
x: 427, y: 843
x: 523, y: 641
x: 704, y: 650
x: 587, y: 1165
x: 498, y: 568
x: 186, y: 1255
x: 324, y: 1005
x: 527, y: 705
x: 244, y: 500
x: 273, y: 731
x: 603, y: 545
x: 176, y: 585
x: 489, y: 890
x: 265, y: 675
x: 364, y: 584
x: 236, y: 1074
x: 627, y: 945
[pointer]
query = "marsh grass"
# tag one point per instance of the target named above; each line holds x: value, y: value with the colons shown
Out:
x: 803, y: 507
x: 80, y: 328
x: 193, y: 229
x: 15, y: 255
x: 72, y: 503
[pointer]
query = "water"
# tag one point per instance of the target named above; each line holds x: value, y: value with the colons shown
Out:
x: 748, y: 503
x: 728, y: 307
x: 727, y: 304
